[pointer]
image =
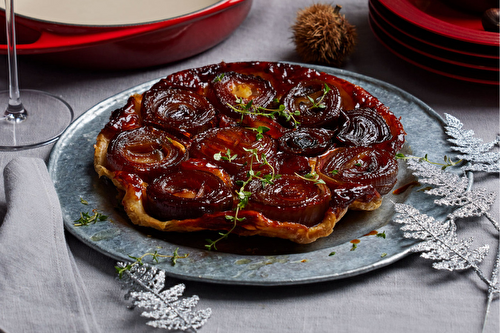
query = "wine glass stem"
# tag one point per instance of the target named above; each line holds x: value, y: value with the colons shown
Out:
x: 15, y: 110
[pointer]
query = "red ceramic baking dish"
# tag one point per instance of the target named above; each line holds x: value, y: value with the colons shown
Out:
x: 124, y: 35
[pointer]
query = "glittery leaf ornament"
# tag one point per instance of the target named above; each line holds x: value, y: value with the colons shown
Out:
x: 473, y: 149
x: 455, y: 191
x: 147, y: 290
x: 439, y: 238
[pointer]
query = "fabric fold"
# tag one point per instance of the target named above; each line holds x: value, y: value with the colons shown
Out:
x: 40, y: 287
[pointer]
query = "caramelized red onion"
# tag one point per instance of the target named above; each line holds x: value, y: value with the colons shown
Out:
x: 274, y: 129
x: 195, y: 110
x: 346, y: 194
x: 363, y: 127
x: 325, y: 109
x: 293, y: 164
x: 235, y: 146
x: 290, y: 199
x: 230, y: 88
x: 358, y: 165
x: 204, y: 165
x: 306, y: 141
x: 178, y: 110
x: 124, y: 118
x: 146, y: 151
x: 258, y: 167
x: 187, y: 194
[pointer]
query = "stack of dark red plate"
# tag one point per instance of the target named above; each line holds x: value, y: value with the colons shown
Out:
x: 437, y: 37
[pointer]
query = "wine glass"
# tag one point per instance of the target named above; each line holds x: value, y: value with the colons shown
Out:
x: 32, y: 118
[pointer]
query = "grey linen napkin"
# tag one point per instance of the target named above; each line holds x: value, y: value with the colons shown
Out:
x: 40, y: 287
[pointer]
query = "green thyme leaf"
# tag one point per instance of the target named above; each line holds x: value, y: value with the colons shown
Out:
x: 87, y: 218
x: 312, y: 176
x: 217, y: 156
x: 218, y: 78
x: 400, y: 156
x: 448, y: 162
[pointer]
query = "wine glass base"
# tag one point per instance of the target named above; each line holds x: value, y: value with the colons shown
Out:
x: 46, y: 118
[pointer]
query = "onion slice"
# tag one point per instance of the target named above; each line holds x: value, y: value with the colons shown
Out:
x: 318, y: 104
x: 306, y: 141
x: 146, y: 151
x: 232, y: 147
x: 363, y: 127
x: 179, y: 110
x: 187, y: 194
x: 359, y: 165
x: 290, y: 199
x: 235, y: 90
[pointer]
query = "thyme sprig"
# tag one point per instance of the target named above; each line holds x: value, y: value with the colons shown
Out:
x: 243, y: 195
x: 261, y: 130
x: 87, y: 218
x: 155, y: 256
x: 448, y: 162
x: 319, y: 104
x: 225, y: 157
x: 265, y: 179
x: 249, y: 108
x: 312, y: 176
x: 218, y: 78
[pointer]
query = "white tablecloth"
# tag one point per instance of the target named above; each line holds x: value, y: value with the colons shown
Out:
x: 407, y: 296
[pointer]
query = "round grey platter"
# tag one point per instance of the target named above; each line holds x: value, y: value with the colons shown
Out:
x: 253, y: 260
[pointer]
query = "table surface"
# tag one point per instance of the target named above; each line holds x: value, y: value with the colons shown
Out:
x: 407, y: 296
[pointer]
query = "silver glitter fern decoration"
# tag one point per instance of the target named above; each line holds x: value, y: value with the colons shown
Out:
x: 455, y: 191
x: 163, y: 305
x: 473, y: 149
x: 439, y: 240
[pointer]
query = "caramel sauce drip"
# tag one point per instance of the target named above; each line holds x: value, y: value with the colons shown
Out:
x: 403, y: 188
x: 372, y: 233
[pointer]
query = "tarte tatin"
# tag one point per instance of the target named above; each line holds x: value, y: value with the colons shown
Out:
x: 250, y: 148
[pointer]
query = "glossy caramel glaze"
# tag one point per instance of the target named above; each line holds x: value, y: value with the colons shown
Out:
x: 186, y: 153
